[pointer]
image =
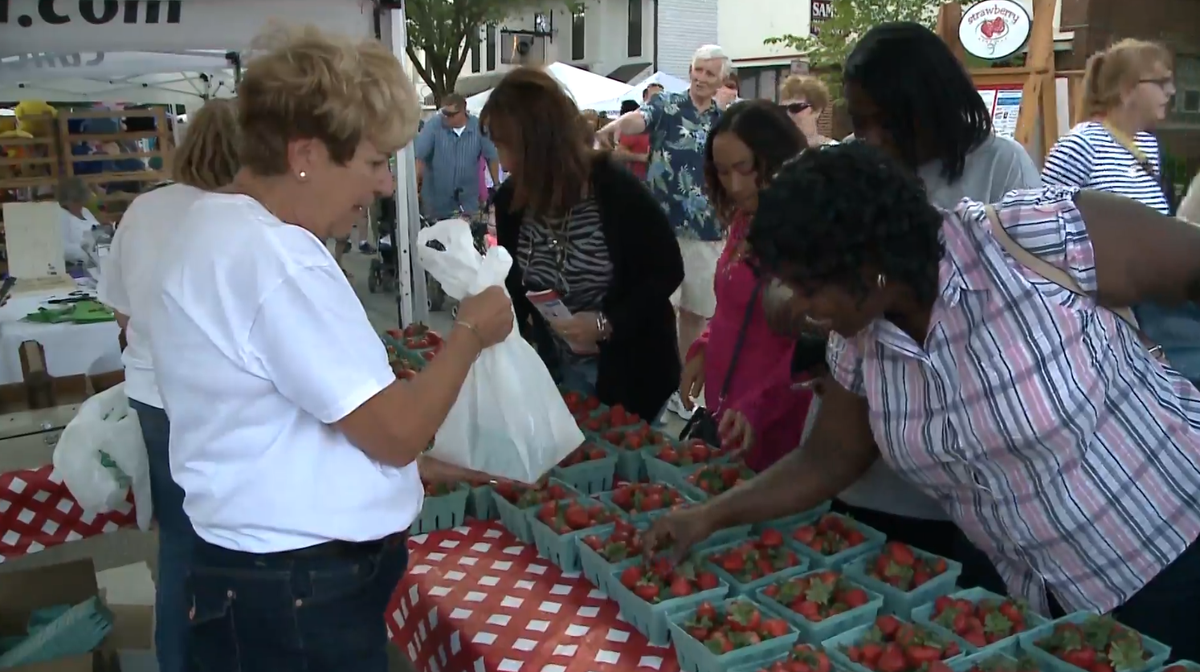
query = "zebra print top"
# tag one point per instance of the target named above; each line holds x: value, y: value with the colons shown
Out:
x: 567, y: 254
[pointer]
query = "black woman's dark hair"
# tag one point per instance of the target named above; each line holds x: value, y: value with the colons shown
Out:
x: 923, y: 94
x: 628, y: 106
x: 838, y: 211
x: 766, y: 130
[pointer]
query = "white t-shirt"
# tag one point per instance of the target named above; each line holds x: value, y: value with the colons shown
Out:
x: 75, y: 233
x: 260, y: 344
x: 129, y: 282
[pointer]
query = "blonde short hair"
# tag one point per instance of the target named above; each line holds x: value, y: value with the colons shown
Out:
x: 208, y: 156
x: 1112, y: 72
x: 812, y: 90
x: 311, y: 85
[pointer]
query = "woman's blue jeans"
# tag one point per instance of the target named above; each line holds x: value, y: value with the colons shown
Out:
x: 175, y: 541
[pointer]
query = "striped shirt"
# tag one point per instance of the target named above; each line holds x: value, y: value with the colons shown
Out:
x: 1090, y: 157
x: 1056, y: 442
x: 451, y: 172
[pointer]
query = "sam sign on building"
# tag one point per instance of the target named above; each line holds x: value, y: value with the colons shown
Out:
x: 994, y: 29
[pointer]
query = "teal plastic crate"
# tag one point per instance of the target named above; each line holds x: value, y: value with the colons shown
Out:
x: 694, y: 656
x: 561, y: 549
x: 1007, y: 654
x: 514, y: 520
x: 874, y: 542
x: 652, y: 619
x: 630, y: 465
x: 816, y: 632
x: 1186, y: 664
x: 442, y: 513
x: 658, y: 471
x: 480, y: 504
x: 764, y: 660
x: 595, y: 567
x: 924, y: 613
x: 591, y: 476
x: 898, y: 602
x: 796, y: 519
x: 738, y: 588
x: 639, y: 516
x: 833, y: 646
x: 1159, y: 652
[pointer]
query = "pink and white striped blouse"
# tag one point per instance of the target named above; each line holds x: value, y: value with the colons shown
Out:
x: 1037, y: 418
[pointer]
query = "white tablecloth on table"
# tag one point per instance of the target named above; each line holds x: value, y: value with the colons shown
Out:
x: 71, y: 349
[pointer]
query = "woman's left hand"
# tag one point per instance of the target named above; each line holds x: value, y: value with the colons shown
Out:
x: 735, y: 431
x: 580, y: 330
x: 433, y: 470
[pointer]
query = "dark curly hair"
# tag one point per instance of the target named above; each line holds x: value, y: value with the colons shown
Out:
x: 836, y: 210
x: 766, y: 130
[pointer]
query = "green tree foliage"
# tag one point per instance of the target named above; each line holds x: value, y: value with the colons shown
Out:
x: 852, y: 18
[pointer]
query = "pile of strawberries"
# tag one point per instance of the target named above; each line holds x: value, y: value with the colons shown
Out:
x: 741, y: 624
x: 1002, y: 663
x: 892, y: 645
x: 665, y: 580
x: 643, y: 497
x: 574, y: 515
x: 900, y: 567
x: 830, y: 535
x: 439, y: 489
x: 580, y: 405
x: 1099, y: 644
x: 625, y: 542
x: 635, y: 438
x: 717, y: 478
x: 611, y: 418
x: 756, y: 558
x: 586, y: 452
x: 818, y: 595
x: 695, y: 451
x: 980, y: 623
x: 802, y: 658
x: 419, y: 337
x: 525, y: 497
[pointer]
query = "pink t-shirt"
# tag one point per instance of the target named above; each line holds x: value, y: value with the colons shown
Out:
x: 761, y: 386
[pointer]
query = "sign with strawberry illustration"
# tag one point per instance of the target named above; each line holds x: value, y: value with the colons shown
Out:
x: 994, y: 29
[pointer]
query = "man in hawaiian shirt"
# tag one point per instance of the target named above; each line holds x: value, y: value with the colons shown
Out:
x: 678, y: 124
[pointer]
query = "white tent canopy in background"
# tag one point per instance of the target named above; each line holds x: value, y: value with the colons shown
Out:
x: 136, y: 77
x: 585, y: 88
x: 670, y: 84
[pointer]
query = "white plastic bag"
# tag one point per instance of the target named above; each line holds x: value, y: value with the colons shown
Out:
x: 510, y: 419
x: 101, y: 455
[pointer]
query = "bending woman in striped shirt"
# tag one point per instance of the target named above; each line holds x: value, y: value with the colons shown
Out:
x: 1018, y: 400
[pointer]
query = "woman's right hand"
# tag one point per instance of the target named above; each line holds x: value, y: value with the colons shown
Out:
x: 488, y: 314
x: 678, y: 531
x: 692, y: 384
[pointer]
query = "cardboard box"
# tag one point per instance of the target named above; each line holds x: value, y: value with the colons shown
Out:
x: 23, y: 592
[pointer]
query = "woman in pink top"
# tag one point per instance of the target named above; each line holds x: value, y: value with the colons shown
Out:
x: 760, y: 411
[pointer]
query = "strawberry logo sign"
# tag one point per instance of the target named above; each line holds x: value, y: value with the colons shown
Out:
x: 994, y: 29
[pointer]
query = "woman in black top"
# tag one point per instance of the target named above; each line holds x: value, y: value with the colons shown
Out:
x: 582, y: 229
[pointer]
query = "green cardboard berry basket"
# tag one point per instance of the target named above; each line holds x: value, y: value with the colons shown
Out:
x: 652, y: 619
x: 874, y: 542
x: 1027, y: 641
x: 561, y: 549
x: 1008, y: 654
x: 480, y: 504
x: 764, y: 661
x: 596, y: 568
x: 815, y: 632
x: 443, y: 512
x: 515, y: 520
x: 833, y: 647
x: 924, y: 613
x: 694, y: 656
x: 591, y: 476
x: 898, y: 602
x: 658, y: 471
x: 640, y: 516
x: 736, y: 587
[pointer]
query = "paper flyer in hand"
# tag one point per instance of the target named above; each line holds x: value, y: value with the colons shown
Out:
x: 551, y: 306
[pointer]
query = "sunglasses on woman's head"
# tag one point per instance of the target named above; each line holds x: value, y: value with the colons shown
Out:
x: 796, y: 108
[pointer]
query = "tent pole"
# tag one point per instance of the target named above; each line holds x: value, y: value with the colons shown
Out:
x: 411, y: 297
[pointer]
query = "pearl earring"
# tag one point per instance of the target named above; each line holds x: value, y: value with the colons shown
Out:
x: 881, y: 280
x: 303, y: 174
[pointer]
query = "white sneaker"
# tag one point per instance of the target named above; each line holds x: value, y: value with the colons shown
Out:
x: 675, y: 405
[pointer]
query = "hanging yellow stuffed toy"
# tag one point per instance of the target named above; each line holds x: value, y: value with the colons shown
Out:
x: 36, y: 117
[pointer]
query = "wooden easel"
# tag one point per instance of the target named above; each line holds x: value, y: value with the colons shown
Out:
x: 1037, y: 123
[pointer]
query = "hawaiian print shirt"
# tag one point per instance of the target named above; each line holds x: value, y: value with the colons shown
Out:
x: 678, y: 132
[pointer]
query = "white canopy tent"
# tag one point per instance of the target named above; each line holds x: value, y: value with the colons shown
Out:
x: 670, y: 84
x: 186, y: 78
x: 585, y: 88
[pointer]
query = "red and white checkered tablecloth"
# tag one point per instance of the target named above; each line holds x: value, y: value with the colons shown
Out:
x: 475, y: 599
x: 37, y: 511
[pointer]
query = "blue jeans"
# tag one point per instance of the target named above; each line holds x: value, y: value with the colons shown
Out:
x: 314, y: 610
x: 175, y: 541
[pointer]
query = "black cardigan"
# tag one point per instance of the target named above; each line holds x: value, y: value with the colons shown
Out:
x: 639, y: 364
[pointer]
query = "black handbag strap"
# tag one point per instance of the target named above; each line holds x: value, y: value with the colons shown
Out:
x: 741, y: 339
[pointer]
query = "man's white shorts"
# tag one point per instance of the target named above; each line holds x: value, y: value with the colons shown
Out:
x: 696, y: 295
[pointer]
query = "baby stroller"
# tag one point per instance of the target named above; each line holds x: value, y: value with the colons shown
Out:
x: 385, y: 267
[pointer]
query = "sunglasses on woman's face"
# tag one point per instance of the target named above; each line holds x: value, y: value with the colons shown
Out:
x: 796, y: 108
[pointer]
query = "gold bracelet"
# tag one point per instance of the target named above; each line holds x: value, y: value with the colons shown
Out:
x: 473, y: 330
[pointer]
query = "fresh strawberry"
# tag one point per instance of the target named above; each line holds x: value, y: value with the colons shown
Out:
x: 643, y: 497
x: 573, y: 515
x: 737, y: 625
x: 802, y: 658
x: 1098, y: 644
x: 672, y: 579
x: 980, y: 623
x: 586, y: 452
x: 899, y: 566
x: 438, y: 489
x: 892, y: 645
x: 817, y: 596
x: 715, y: 479
x: 755, y: 558
x: 622, y: 543
x: 830, y: 534
x: 526, y: 497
